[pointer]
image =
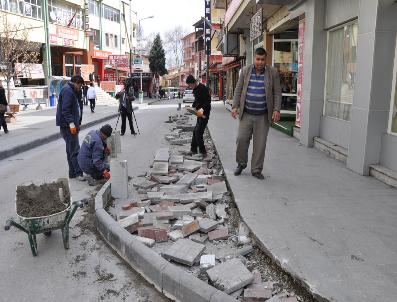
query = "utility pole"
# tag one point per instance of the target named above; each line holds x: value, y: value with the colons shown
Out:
x: 100, y: 25
x: 47, y: 44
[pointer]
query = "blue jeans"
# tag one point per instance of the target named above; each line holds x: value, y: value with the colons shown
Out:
x: 72, y: 150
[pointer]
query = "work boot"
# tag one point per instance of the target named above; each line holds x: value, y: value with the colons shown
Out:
x: 238, y: 170
x: 91, y: 181
x: 80, y: 178
x: 258, y: 175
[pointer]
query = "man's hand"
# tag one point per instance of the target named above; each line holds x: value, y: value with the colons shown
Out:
x: 200, y: 112
x: 276, y: 116
x: 73, y: 128
x: 234, y: 113
x: 106, y: 174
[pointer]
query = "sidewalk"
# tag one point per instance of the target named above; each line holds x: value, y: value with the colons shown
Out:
x: 35, y: 128
x: 332, y: 229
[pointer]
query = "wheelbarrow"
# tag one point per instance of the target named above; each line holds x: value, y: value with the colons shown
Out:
x: 33, y: 226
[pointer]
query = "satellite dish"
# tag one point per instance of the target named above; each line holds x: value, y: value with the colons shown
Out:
x: 53, y: 16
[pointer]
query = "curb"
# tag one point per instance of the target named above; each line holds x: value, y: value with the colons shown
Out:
x: 167, y: 278
x: 45, y: 140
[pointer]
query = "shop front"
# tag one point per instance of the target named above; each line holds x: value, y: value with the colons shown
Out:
x: 99, y: 60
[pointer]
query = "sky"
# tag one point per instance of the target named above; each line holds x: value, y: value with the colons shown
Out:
x: 168, y: 14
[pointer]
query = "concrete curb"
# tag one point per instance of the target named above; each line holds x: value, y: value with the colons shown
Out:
x: 172, y: 281
x: 47, y: 139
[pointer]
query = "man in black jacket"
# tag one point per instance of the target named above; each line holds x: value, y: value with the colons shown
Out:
x: 202, y: 103
x: 125, y: 97
x: 3, y: 108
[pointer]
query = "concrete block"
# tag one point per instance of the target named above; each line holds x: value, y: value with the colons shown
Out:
x: 182, y: 286
x: 190, y: 165
x: 162, y: 155
x: 175, y: 235
x: 220, y: 210
x: 207, y: 261
x: 176, y: 159
x: 187, y: 179
x: 199, y: 238
x: 256, y: 294
x: 179, y: 211
x: 190, y: 228
x: 155, y: 197
x: 174, y: 189
x: 163, y: 215
x: 140, y: 211
x: 219, y: 296
x: 184, y: 251
x: 157, y: 234
x: 119, y: 179
x: 201, y: 180
x: 126, y: 222
x: 197, y: 212
x: 207, y: 225
x: 220, y: 233
x: 160, y: 168
x: 211, y: 212
x: 230, y: 276
x: 145, y: 184
x: 218, y: 189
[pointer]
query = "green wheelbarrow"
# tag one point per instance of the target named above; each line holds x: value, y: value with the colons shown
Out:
x: 33, y: 226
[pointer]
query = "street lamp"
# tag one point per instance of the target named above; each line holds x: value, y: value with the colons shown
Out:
x: 139, y: 37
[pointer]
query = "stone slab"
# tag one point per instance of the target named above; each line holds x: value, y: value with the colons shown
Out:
x: 140, y: 211
x: 179, y: 211
x: 257, y: 294
x: 207, y: 225
x: 190, y: 165
x: 218, y: 189
x: 190, y: 228
x: 174, y: 189
x: 230, y: 276
x: 199, y: 238
x: 160, y: 168
x: 283, y: 297
x: 164, y: 179
x: 220, y: 210
x: 146, y: 241
x: 189, y: 197
x: 210, y: 211
x: 184, y: 251
x: 155, y: 196
x: 126, y: 222
x: 175, y: 235
x: 220, y: 233
x: 145, y: 184
x: 207, y: 261
x: 176, y: 159
x: 187, y: 179
x: 162, y: 155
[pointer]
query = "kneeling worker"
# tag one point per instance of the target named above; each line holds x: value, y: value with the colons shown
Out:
x: 93, y: 153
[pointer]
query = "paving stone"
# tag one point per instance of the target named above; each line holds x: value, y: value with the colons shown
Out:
x: 174, y: 189
x: 190, y: 165
x: 219, y: 234
x: 197, y: 212
x: 199, y: 238
x: 211, y: 212
x: 201, y: 180
x: 178, y: 225
x: 256, y: 294
x: 196, y: 157
x: 166, y: 180
x: 160, y: 168
x: 148, y: 219
x: 202, y: 171
x: 189, y: 197
x: 163, y: 215
x: 175, y: 235
x: 156, y: 208
x: 207, y: 225
x: 257, y: 277
x: 220, y: 210
x: 162, y: 155
x: 128, y: 206
x: 133, y: 228
x: 207, y: 261
x: 184, y: 251
x: 214, y: 180
x: 190, y: 228
x: 179, y: 211
x: 140, y: 211
x: 191, y: 205
x: 283, y: 297
x: 224, y: 252
x: 146, y: 241
x: 166, y: 203
x: 176, y: 159
x: 237, y: 293
x: 157, y: 234
x: 146, y: 185
x: 218, y: 190
x: 264, y: 285
x: 155, y: 197
x: 230, y: 276
x: 187, y: 219
x: 187, y: 179
x: 143, y: 203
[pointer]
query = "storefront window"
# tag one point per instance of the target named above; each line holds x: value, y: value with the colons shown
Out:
x: 341, y: 71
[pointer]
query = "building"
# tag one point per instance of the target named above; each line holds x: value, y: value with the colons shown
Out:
x: 338, y: 66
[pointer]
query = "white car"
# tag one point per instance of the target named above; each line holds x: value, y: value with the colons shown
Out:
x: 188, y: 96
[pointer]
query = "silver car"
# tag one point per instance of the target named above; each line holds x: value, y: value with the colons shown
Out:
x: 188, y: 96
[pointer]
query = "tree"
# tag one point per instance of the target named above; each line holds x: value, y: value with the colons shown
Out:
x: 174, y: 45
x: 15, y: 47
x: 157, y: 57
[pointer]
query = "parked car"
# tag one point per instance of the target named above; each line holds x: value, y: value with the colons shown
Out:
x: 171, y: 92
x: 188, y: 96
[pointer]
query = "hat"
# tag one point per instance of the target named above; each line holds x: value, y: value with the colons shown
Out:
x: 107, y: 130
x: 190, y: 79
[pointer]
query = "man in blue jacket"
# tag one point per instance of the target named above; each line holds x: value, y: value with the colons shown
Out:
x: 93, y: 152
x: 68, y: 120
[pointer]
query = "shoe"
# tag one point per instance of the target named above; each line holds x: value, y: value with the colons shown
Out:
x: 258, y: 175
x: 91, y: 181
x: 238, y: 170
x: 121, y: 134
x: 6, y: 131
x: 133, y: 133
x: 81, y: 178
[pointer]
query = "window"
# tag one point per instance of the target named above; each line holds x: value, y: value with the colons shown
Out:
x: 123, y: 41
x: 111, y: 13
x: 393, y: 105
x: 116, y: 41
x: 111, y: 40
x: 341, y: 71
x: 63, y: 14
x: 107, y: 40
x: 93, y: 7
x: 97, y: 37
x: 28, y: 8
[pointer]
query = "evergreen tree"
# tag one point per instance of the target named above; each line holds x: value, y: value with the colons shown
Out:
x: 157, y: 57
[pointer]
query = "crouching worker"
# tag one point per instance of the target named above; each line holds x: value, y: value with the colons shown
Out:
x: 93, y: 153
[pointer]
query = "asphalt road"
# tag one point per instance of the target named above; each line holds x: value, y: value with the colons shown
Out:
x: 89, y: 270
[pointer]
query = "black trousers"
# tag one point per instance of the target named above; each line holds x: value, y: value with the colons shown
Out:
x: 92, y: 104
x: 3, y: 122
x: 124, y: 115
x: 197, y: 139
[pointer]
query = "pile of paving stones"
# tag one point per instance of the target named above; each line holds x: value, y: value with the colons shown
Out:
x: 180, y: 209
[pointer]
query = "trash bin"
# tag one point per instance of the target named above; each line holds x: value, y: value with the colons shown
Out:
x: 52, y: 100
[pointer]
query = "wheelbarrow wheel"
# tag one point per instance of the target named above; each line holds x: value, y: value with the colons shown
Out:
x: 33, y: 244
x: 65, y: 237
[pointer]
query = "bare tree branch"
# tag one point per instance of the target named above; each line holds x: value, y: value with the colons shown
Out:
x: 174, y: 45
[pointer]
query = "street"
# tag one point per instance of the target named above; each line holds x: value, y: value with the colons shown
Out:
x: 89, y: 270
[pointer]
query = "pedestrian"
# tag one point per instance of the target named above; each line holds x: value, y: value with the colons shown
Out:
x: 85, y: 89
x: 91, y: 95
x: 3, y: 108
x: 68, y: 120
x: 93, y: 154
x: 202, y: 103
x: 257, y: 102
x: 125, y: 97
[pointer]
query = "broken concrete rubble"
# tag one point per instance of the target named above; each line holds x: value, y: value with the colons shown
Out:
x: 184, y: 251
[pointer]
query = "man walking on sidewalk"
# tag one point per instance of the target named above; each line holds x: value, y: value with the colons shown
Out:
x: 257, y: 102
x: 202, y: 103
x: 125, y: 98
x: 91, y: 96
x: 68, y: 120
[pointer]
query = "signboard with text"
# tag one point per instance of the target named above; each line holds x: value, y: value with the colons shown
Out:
x: 299, y: 98
x: 85, y: 71
x: 256, y: 25
x: 101, y: 54
x: 119, y: 60
x: 207, y: 29
x: 108, y: 86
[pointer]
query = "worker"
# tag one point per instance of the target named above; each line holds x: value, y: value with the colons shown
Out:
x: 93, y: 153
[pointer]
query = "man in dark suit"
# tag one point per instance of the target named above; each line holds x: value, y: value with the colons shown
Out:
x: 125, y: 97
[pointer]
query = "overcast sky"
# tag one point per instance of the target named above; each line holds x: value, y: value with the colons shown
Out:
x: 168, y: 14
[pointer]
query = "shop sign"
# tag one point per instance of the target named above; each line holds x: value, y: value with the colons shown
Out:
x: 137, y: 63
x: 119, y: 60
x: 53, y: 39
x: 86, y: 70
x: 101, y: 54
x: 67, y: 42
x: 67, y: 33
x: 137, y: 75
x: 29, y: 71
x: 301, y: 47
x: 108, y: 86
x: 207, y: 29
x: 256, y: 25
x: 86, y: 17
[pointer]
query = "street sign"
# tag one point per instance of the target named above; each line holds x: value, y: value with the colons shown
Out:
x: 119, y: 60
x: 137, y: 63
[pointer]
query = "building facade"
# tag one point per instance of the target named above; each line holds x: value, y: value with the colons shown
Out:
x: 338, y: 67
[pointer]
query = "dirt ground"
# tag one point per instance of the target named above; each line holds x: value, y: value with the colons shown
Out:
x: 41, y: 200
